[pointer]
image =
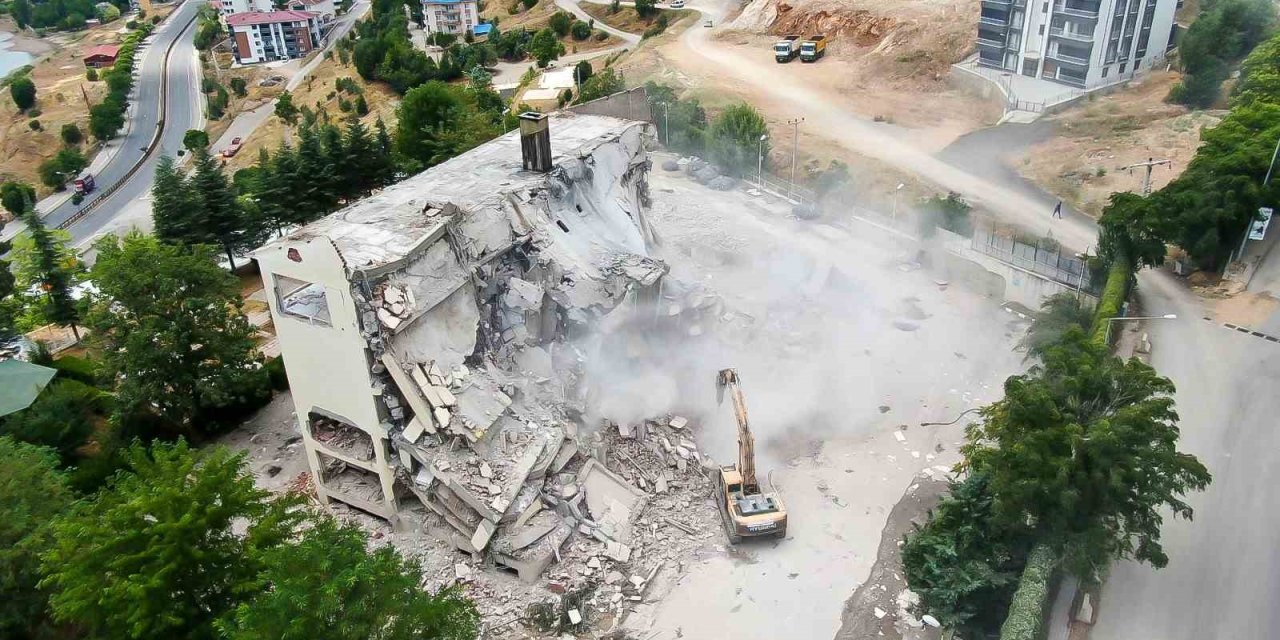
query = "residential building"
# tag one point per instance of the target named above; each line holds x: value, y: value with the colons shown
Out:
x: 273, y: 35
x: 405, y: 319
x: 450, y: 16
x: 1079, y: 43
x: 103, y: 55
x: 326, y: 9
x: 228, y: 7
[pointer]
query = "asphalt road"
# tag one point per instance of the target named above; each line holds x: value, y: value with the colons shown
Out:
x: 184, y: 111
x: 1223, y: 578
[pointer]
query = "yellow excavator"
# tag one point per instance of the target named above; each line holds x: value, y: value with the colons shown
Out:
x: 748, y: 511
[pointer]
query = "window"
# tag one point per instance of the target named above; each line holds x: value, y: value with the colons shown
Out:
x: 304, y: 300
x: 1122, y: 66
x: 1041, y: 29
x: 1105, y: 71
x: 1044, y: 8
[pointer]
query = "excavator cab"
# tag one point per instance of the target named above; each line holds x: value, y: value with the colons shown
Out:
x: 746, y: 509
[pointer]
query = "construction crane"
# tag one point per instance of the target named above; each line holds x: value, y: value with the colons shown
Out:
x: 746, y: 509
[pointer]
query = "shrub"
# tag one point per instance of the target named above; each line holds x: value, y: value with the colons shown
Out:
x: 76, y: 368
x: 529, y: 4
x: 23, y: 91
x: 1114, y: 294
x: 77, y: 198
x: 580, y: 30
x: 560, y: 23
x: 34, y: 124
x: 1027, y: 611
x: 239, y: 86
x: 276, y: 374
x: 91, y: 75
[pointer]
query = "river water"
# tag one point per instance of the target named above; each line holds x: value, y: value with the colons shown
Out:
x: 9, y: 59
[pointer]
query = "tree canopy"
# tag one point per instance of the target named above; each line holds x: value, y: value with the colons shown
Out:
x: 172, y: 334
x: 326, y: 585
x: 1084, y: 448
x: 734, y: 139
x: 32, y: 493
x: 166, y: 548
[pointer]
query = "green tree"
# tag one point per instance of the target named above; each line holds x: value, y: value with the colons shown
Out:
x: 735, y: 139
x: 384, y: 148
x: 361, y: 106
x: 175, y: 207
x: 15, y: 196
x: 21, y: 12
x: 1082, y: 451
x: 1058, y: 314
x: 239, y: 86
x: 646, y: 8
x: 221, y: 221
x: 560, y: 23
x: 44, y: 261
x: 195, y: 139
x: 105, y: 119
x: 544, y: 47
x: 962, y: 564
x: 360, y: 159
x: 326, y: 585
x: 437, y: 122
x: 166, y: 548
x: 23, y: 91
x: 580, y: 30
x: 71, y: 134
x: 582, y: 71
x: 682, y: 124
x: 607, y: 82
x: 285, y: 110
x: 61, y: 418
x: 171, y: 329
x: 32, y: 493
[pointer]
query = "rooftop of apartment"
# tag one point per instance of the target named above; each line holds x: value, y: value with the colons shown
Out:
x: 411, y: 215
x: 268, y: 17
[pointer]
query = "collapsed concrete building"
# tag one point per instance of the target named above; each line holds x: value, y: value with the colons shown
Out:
x: 426, y: 332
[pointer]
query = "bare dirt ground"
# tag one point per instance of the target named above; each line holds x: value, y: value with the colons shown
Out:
x: 319, y: 92
x: 1081, y: 164
x: 61, y: 90
x: 537, y: 18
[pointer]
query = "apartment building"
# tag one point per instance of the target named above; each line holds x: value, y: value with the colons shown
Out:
x: 273, y: 35
x: 1078, y: 43
x: 228, y: 7
x: 451, y: 16
x: 327, y: 9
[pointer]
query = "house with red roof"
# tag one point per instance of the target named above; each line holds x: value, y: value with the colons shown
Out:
x: 264, y: 36
x: 103, y: 55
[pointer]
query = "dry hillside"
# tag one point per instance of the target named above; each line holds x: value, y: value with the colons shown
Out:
x: 902, y: 41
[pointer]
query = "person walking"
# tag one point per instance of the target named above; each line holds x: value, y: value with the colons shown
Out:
x: 1057, y: 210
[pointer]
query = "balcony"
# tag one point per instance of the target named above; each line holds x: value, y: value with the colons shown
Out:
x: 1068, y: 59
x: 992, y: 44
x: 1089, y: 11
x: 1068, y: 35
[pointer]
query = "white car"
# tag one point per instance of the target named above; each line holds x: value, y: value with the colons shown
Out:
x: 707, y: 23
x: 677, y: 4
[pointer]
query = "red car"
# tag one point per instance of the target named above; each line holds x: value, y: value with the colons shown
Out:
x: 233, y: 149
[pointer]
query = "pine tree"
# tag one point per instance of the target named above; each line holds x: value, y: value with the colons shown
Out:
x: 385, y: 167
x: 287, y: 202
x: 174, y: 209
x: 360, y: 162
x: 343, y: 183
x: 316, y: 177
x: 222, y: 221
x: 51, y: 265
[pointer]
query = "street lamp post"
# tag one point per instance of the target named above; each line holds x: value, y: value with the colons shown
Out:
x: 666, y: 123
x: 760, y: 161
x: 895, y: 200
x: 1107, y: 335
x: 795, y: 149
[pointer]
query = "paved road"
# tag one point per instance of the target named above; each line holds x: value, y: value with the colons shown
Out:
x: 1223, y: 578
x: 184, y: 112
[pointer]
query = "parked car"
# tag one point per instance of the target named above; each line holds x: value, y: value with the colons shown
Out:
x: 233, y: 149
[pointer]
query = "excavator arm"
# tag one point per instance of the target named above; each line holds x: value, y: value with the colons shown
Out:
x: 728, y: 379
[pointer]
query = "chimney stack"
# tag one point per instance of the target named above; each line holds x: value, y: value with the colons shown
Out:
x: 535, y: 141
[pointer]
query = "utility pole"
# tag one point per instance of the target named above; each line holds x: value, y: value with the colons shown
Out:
x: 666, y: 123
x: 795, y: 149
x: 1149, y: 164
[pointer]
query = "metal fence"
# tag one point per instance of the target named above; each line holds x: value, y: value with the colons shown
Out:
x: 784, y: 188
x: 1044, y: 258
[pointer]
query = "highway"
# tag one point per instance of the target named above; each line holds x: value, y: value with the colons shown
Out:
x: 184, y: 110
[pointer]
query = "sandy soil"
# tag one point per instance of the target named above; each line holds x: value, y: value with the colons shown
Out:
x: 318, y: 92
x: 830, y: 377
x: 61, y: 90
x: 1082, y: 164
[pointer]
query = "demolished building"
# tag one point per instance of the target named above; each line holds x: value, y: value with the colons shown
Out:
x: 426, y: 336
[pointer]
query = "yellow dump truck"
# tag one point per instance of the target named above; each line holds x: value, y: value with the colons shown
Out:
x: 813, y: 48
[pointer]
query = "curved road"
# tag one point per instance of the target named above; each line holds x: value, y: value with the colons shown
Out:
x: 184, y: 111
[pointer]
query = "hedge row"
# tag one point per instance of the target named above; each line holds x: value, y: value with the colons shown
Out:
x: 1114, y: 293
x: 1027, y: 611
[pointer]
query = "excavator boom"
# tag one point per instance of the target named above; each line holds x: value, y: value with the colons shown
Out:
x: 728, y: 379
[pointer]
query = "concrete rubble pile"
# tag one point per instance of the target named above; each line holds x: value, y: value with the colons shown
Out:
x: 468, y: 288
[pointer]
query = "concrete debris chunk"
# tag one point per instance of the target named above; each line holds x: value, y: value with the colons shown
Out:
x: 617, y: 551
x: 880, y: 613
x: 613, y: 577
x: 575, y: 617
x: 594, y: 562
x: 530, y: 535
x: 678, y: 422
x: 462, y: 571
x: 900, y: 436
x: 486, y: 471
x: 388, y: 319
